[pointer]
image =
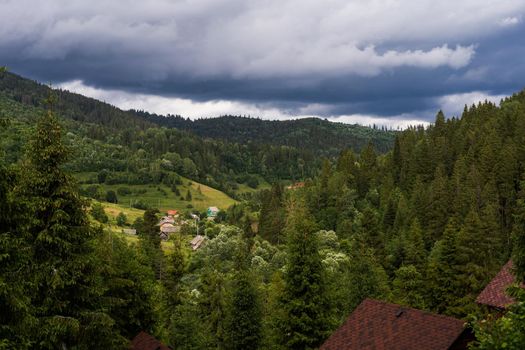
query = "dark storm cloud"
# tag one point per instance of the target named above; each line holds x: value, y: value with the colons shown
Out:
x: 342, y: 57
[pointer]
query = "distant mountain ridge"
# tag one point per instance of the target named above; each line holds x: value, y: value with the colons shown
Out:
x: 319, y: 136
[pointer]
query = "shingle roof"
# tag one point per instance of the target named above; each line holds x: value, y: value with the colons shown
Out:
x: 494, y: 293
x: 382, y: 326
x: 144, y: 341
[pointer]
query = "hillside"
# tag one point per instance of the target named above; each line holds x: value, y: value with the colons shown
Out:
x: 136, y: 150
x: 319, y: 136
x: 105, y: 138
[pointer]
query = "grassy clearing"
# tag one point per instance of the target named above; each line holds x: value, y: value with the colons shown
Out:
x: 162, y: 197
x: 112, y: 210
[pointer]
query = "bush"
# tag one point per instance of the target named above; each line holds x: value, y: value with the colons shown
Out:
x: 123, y: 191
x: 98, y: 213
x: 111, y: 196
x: 140, y: 205
x: 102, y: 175
x: 121, y: 219
x: 253, y: 182
x: 92, y: 191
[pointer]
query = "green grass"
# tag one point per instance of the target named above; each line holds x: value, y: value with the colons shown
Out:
x: 112, y: 210
x: 263, y: 185
x: 161, y: 196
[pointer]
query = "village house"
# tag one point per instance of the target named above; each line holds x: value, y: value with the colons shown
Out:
x: 376, y: 325
x: 168, y: 228
x: 212, y: 212
x: 197, y: 242
x: 173, y: 213
x: 166, y: 220
x: 129, y: 231
x: 495, y: 293
x: 295, y: 186
x: 168, y: 224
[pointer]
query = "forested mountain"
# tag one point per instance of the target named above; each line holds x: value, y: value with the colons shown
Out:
x: 427, y: 225
x: 135, y: 149
x: 319, y: 136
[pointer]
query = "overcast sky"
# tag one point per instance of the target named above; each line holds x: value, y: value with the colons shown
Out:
x: 367, y: 61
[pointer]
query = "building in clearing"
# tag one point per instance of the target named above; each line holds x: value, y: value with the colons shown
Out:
x: 376, y: 325
x: 212, y: 212
x: 197, y: 242
x: 168, y: 228
x: 173, y: 213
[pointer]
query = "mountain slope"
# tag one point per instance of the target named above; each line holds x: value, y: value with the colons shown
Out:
x: 319, y: 136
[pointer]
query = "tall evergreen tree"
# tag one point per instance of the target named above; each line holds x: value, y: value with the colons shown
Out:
x: 442, y: 273
x: 243, y: 327
x: 305, y: 303
x: 67, y: 292
x: 15, y: 317
x: 518, y: 252
x: 272, y: 218
x: 150, y: 242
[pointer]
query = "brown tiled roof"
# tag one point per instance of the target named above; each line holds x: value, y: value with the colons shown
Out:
x: 144, y: 341
x: 494, y: 293
x: 382, y: 326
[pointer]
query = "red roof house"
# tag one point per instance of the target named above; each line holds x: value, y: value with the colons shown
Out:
x: 382, y: 326
x: 494, y: 294
x: 172, y: 212
x: 144, y: 341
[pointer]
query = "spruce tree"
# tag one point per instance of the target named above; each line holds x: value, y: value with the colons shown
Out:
x: 272, y: 216
x: 518, y: 252
x: 15, y: 304
x: 415, y: 252
x: 243, y: 327
x: 306, y: 306
x: 67, y: 292
x: 408, y: 287
x: 442, y: 272
x: 150, y: 242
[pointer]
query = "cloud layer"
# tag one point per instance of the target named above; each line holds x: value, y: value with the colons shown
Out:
x: 358, y: 57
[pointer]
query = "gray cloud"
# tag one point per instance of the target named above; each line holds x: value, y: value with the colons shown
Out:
x: 350, y: 57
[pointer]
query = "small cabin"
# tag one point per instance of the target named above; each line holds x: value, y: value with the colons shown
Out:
x: 212, y: 212
x: 197, y: 242
x: 173, y: 213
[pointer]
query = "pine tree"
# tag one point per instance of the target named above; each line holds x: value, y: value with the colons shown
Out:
x: 415, y: 252
x: 305, y: 303
x: 408, y: 287
x: 244, y: 322
x: 15, y: 317
x: 438, y: 212
x: 272, y: 218
x: 365, y: 277
x: 442, y: 270
x: 518, y: 252
x: 66, y: 290
x: 176, y: 267
x: 213, y: 307
x: 149, y: 234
